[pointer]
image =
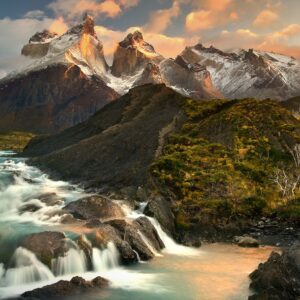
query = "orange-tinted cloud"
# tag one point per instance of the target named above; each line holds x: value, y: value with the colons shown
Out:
x: 245, y: 38
x: 216, y: 5
x: 265, y: 18
x: 59, y: 26
x: 200, y: 20
x: 234, y: 16
x: 74, y: 9
x: 161, y: 19
x: 129, y: 3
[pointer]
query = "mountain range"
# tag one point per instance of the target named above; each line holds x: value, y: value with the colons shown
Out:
x: 69, y: 79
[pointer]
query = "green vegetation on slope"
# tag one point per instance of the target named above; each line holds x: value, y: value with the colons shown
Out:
x: 232, y: 159
x: 15, y: 141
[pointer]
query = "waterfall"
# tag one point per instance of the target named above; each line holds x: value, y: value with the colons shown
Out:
x: 171, y: 246
x: 2, y: 271
x: 106, y: 259
x: 74, y: 262
x: 27, y: 269
x: 148, y: 244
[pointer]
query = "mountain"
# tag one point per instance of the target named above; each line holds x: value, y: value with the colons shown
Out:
x: 205, y: 167
x: 61, y: 87
x: 136, y: 62
x: 252, y: 73
x: 132, y: 55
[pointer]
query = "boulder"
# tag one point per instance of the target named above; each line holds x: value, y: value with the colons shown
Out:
x: 46, y: 245
x: 248, y: 242
x: 279, y: 277
x: 66, y: 289
x: 145, y: 226
x: 141, y: 236
x: 94, y: 207
x: 106, y: 233
x: 160, y: 208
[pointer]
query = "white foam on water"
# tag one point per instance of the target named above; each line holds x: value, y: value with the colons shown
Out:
x: 104, y: 260
x: 27, y: 269
x: 28, y: 184
x: 74, y: 262
x: 171, y: 247
x: 148, y: 243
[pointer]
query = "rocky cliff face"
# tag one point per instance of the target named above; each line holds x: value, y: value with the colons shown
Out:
x: 190, y: 79
x: 50, y: 100
x: 63, y: 86
x: 38, y: 45
x: 132, y: 55
x: 138, y: 59
x: 250, y: 73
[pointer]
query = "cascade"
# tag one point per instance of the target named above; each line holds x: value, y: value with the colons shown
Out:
x: 106, y: 259
x: 27, y: 269
x: 74, y: 262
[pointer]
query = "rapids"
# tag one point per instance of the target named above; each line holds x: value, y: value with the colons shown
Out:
x: 211, y: 272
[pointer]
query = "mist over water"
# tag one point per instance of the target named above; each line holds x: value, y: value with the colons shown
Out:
x: 211, y: 272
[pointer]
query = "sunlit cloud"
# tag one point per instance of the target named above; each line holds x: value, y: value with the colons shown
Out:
x: 161, y: 19
x: 59, y: 26
x: 74, y: 9
x: 265, y: 18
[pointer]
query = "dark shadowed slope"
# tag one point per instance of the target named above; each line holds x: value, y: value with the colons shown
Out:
x: 117, y: 145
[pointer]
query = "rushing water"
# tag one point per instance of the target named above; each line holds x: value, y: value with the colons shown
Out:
x: 212, y: 272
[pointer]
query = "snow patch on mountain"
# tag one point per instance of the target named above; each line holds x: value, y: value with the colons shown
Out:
x: 241, y: 73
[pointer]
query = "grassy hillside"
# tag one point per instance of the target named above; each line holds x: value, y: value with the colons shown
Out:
x: 15, y: 141
x: 230, y: 160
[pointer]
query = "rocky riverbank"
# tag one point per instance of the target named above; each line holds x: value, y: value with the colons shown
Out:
x: 279, y: 277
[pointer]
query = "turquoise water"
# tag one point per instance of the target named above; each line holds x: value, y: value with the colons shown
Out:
x: 215, y: 271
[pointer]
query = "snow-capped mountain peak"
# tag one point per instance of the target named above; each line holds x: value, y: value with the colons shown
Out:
x: 248, y: 73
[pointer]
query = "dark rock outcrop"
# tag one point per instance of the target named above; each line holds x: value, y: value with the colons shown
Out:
x: 133, y: 54
x: 63, y: 86
x: 191, y: 79
x: 66, y: 289
x: 150, y: 75
x: 51, y: 99
x: 279, y: 277
x: 159, y: 208
x: 94, y: 207
x: 46, y: 245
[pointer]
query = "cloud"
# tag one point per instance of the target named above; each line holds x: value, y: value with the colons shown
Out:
x: 35, y: 14
x: 74, y: 9
x: 58, y: 26
x: 14, y: 34
x: 234, y: 16
x: 277, y: 41
x: 200, y: 20
x: 161, y: 19
x: 265, y: 18
x: 289, y: 31
x: 129, y: 3
x: 215, y: 5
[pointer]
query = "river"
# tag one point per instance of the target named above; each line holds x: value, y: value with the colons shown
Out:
x: 215, y: 271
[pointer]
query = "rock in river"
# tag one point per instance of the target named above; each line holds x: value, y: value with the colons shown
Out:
x: 94, y: 207
x: 66, y: 289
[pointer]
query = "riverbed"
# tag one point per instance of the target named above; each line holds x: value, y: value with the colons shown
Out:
x: 214, y: 271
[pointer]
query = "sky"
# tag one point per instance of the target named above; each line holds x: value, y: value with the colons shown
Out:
x: 169, y: 25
